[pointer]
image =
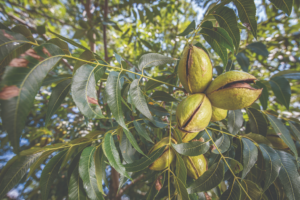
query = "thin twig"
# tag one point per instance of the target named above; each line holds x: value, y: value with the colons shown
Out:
x: 121, y: 192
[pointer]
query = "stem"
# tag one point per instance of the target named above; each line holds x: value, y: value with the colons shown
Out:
x: 169, y: 191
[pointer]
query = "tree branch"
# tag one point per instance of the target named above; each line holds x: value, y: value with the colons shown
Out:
x: 121, y: 192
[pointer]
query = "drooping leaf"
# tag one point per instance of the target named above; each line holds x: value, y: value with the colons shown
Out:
x: 157, y: 110
x: 141, y: 131
x: 132, y: 140
x: 84, y: 90
x: 285, y: 5
x: 258, y: 139
x: 282, y: 90
x: 194, y: 148
x: 222, y: 143
x: 49, y: 174
x: 154, y: 59
x: 39, y: 161
x: 258, y: 48
x: 283, y: 133
x: 235, y: 121
x: 23, y: 79
x: 88, y: 174
x: 118, y: 58
x: 250, y: 155
x: 139, y: 100
x: 295, y: 76
x: 289, y: 176
x: 57, y: 96
x: 189, y: 28
x: 127, y: 151
x: 180, y: 171
x: 253, y: 190
x: 227, y: 20
x: 151, y: 84
x: 272, y: 165
x: 232, y: 193
x: 152, y: 192
x: 210, y: 179
x: 22, y: 29
x: 61, y: 44
x: 247, y: 14
x: 243, y: 61
x: 111, y: 153
x: 85, y: 56
x: 258, y: 123
x: 163, y: 96
x: 235, y: 165
x: 264, y: 97
x: 16, y: 168
x: 295, y: 130
x: 144, y: 162
x: 99, y: 158
x: 75, y: 188
x: 181, y: 190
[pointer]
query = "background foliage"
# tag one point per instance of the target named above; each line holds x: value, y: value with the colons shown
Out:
x: 81, y: 101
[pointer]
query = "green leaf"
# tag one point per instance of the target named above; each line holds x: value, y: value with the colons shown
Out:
x: 86, y: 55
x: 189, y: 28
x: 139, y: 100
x: 247, y: 13
x: 198, y: 44
x: 24, y: 78
x: 127, y: 151
x: 22, y: 29
x: 192, y: 148
x: 99, y: 158
x: 55, y: 79
x: 154, y: 59
x: 142, y: 131
x: 132, y: 140
x: 289, y: 176
x: 243, y: 61
x: 111, y: 153
x: 84, y: 90
x: 88, y: 174
x: 283, y: 133
x: 180, y: 171
x: 58, y: 94
x: 181, y: 190
x: 295, y: 76
x: 235, y: 121
x: 295, y: 130
x: 61, y: 44
x: 39, y: 161
x: 232, y: 193
x: 235, y: 165
x: 147, y: 44
x: 75, y: 188
x: 285, y: 5
x: 11, y: 46
x: 272, y: 193
x: 210, y: 179
x: 258, y: 139
x: 49, y: 174
x: 79, y: 34
x: 41, y: 29
x: 264, y: 97
x: 223, y: 144
x: 227, y: 20
x: 272, y: 165
x: 16, y: 168
x: 144, y: 162
x: 163, y: 96
x: 217, y: 33
x: 259, y: 48
x: 157, y: 110
x: 258, y: 123
x: 282, y: 90
x: 152, y: 192
x: 250, y: 155
x: 151, y: 84
x: 253, y: 190
x: 113, y: 93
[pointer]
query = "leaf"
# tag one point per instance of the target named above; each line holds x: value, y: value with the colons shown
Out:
x: 264, y: 97
x: 232, y: 193
x: 272, y: 165
x: 247, y: 12
x: 295, y: 76
x: 243, y: 61
x: 58, y: 94
x: 132, y: 141
x: 192, y: 148
x: 289, y: 176
x: 235, y: 165
x: 219, y: 34
x: 141, y: 131
x: 283, y: 133
x: 258, y: 139
x: 22, y: 29
x: 154, y: 59
x: 258, y: 123
x: 210, y: 179
x: 250, y: 155
x: 55, y: 79
x: 85, y: 56
x: 99, y: 158
x: 163, y: 96
x: 227, y: 20
x: 61, y: 44
x: 49, y: 174
x: 26, y: 82
x: 75, y: 188
x: 235, y: 121
x: 88, y: 174
x: 181, y: 190
x: 285, y: 5
x: 112, y: 154
x: 151, y: 84
x: 223, y: 144
x: 259, y: 48
x: 144, y: 162
x: 39, y: 161
x: 282, y: 90
x: 138, y: 99
x: 16, y: 168
x: 157, y: 110
x: 84, y: 90
x: 253, y: 190
x: 295, y: 130
x: 113, y: 93
x: 181, y: 171
x: 189, y: 28
x: 127, y: 151
x: 152, y: 192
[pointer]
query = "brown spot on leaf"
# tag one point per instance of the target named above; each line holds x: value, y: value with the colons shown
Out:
x: 215, y: 29
x: 9, y: 92
x: 46, y: 52
x: 279, y: 133
x: 18, y: 62
x: 7, y: 35
x: 158, y: 184
x: 92, y: 100
x: 32, y: 53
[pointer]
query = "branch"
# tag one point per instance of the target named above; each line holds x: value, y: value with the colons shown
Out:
x: 89, y: 15
x: 121, y: 192
x: 104, y: 30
